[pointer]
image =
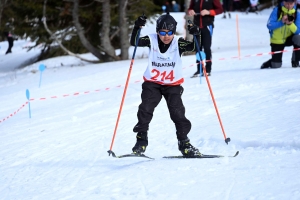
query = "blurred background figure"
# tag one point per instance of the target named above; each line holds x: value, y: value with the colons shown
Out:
x: 8, y: 33
x: 253, y: 6
x: 298, y: 4
x: 226, y: 8
x: 175, y: 6
x: 167, y: 7
x: 236, y: 5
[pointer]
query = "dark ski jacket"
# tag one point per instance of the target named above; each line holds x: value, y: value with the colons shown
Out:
x: 213, y: 6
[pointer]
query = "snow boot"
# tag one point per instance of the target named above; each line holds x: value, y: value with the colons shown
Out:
x: 208, y: 74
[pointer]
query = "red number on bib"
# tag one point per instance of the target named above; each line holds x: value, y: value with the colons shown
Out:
x: 170, y: 76
x: 157, y: 73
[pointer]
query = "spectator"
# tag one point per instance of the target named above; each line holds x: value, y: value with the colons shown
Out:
x: 10, y: 41
x: 9, y: 36
x: 236, y: 5
x: 253, y: 6
x: 175, y: 6
x: 204, y: 12
x: 167, y: 7
x: 226, y: 8
x: 284, y: 28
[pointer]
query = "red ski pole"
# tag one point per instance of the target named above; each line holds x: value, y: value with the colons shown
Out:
x: 215, y: 104
x: 124, y: 94
x: 210, y: 90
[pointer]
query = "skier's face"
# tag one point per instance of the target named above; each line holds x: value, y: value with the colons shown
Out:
x: 288, y: 5
x: 166, y: 36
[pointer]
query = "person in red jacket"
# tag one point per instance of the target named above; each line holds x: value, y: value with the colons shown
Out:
x: 204, y: 12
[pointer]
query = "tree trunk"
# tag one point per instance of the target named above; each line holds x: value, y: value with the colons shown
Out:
x: 80, y: 33
x: 105, y: 30
x: 123, y: 25
x: 57, y: 40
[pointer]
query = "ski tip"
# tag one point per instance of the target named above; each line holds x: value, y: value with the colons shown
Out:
x: 237, y: 153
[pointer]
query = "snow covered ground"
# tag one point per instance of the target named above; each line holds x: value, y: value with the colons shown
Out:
x: 20, y: 56
x: 61, y: 151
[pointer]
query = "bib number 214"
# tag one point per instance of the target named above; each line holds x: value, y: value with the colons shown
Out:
x: 163, y: 75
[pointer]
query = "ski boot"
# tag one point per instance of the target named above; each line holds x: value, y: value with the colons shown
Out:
x: 196, y: 74
x: 187, y: 149
x: 208, y: 74
x: 141, y: 143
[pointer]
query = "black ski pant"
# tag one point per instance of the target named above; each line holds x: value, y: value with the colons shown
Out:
x: 226, y: 5
x: 151, y: 96
x: 205, y: 43
x: 294, y: 41
x: 10, y: 41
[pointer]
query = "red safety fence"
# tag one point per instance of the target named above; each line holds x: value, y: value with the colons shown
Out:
x: 119, y: 86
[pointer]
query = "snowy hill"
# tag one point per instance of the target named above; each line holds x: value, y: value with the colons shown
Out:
x: 61, y: 151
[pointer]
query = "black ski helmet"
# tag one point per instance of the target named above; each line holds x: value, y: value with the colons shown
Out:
x: 166, y: 22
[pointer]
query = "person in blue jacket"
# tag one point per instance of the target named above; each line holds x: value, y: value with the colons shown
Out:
x: 284, y: 29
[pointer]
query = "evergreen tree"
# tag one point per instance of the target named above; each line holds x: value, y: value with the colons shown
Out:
x: 28, y: 23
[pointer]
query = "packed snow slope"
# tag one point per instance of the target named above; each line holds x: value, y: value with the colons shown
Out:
x: 61, y: 151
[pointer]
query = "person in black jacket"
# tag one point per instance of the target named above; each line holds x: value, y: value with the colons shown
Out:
x: 204, y: 12
x: 8, y: 34
x: 163, y: 78
x: 10, y: 41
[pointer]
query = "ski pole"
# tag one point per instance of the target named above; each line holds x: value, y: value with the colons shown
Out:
x: 210, y: 90
x: 198, y: 48
x: 124, y: 93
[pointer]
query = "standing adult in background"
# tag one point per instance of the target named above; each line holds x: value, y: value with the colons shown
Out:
x: 236, y: 4
x: 10, y: 41
x: 253, y: 6
x: 167, y: 7
x: 8, y: 34
x: 175, y: 6
x: 204, y: 12
x: 284, y: 29
x: 226, y: 8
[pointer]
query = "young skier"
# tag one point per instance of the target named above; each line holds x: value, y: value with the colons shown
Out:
x: 163, y: 77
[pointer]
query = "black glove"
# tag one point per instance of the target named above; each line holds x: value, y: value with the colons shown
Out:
x: 193, y: 29
x: 141, y: 21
